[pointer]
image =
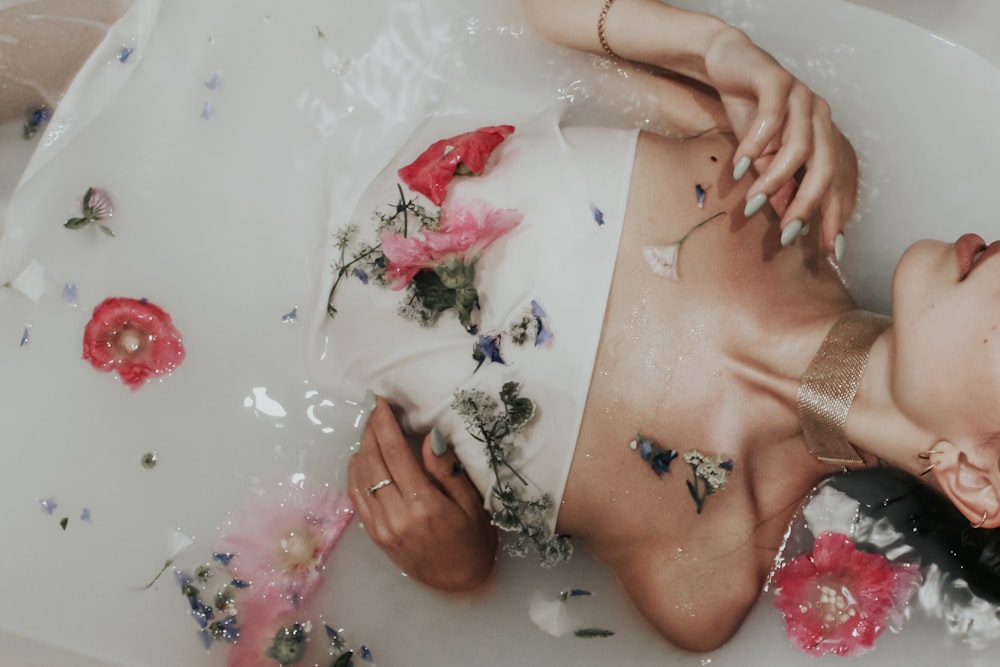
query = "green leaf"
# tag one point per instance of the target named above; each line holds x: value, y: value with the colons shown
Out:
x: 589, y: 633
x: 344, y: 660
x: 431, y: 292
x: 77, y: 223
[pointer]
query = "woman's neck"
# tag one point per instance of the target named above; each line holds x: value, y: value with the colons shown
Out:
x: 875, y: 424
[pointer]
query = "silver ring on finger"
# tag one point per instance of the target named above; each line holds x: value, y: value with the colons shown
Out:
x: 379, y: 485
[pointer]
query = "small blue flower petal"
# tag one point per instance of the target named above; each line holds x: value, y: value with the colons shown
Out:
x: 291, y: 315
x: 200, y: 612
x: 645, y: 448
x: 239, y: 583
x: 207, y: 110
x: 206, y: 639
x: 40, y: 116
x: 598, y: 215
x: 366, y: 654
x: 223, y: 558
x: 331, y: 633
x: 85, y: 515
x: 70, y: 293
x: 361, y: 275
x: 699, y: 193
x: 214, y: 82
x: 487, y: 348
x: 124, y: 53
x: 661, y: 461
x: 49, y: 505
x: 25, y: 337
x: 727, y: 465
x: 229, y: 630
x: 577, y: 592
x: 183, y: 578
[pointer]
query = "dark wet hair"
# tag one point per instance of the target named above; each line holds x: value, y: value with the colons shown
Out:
x: 930, y: 524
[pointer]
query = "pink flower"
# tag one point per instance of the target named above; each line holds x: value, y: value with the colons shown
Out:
x: 466, y: 230
x: 133, y: 337
x: 280, y: 544
x: 837, y: 599
x: 433, y: 169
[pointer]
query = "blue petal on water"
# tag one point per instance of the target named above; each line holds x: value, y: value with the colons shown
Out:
x: 537, y: 310
x: 200, y: 612
x: 25, y: 337
x: 206, y: 639
x: 230, y: 631
x: 577, y: 592
x: 124, y: 53
x: 598, y: 215
x: 366, y: 654
x: 699, y: 193
x: 361, y: 275
x: 70, y: 293
x: 291, y: 315
x: 215, y: 81
x: 331, y: 633
x: 85, y: 515
x: 40, y: 116
x: 183, y: 578
x: 49, y: 505
x: 223, y: 558
x: 239, y: 583
x: 207, y: 110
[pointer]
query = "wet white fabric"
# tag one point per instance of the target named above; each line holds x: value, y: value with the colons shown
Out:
x: 571, y: 185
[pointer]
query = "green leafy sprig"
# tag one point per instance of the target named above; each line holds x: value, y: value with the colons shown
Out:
x: 496, y: 424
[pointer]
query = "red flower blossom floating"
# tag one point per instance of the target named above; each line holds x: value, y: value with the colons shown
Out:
x: 133, y: 337
x: 837, y: 600
x: 466, y: 153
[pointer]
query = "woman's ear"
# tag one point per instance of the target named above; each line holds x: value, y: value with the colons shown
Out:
x: 971, y: 479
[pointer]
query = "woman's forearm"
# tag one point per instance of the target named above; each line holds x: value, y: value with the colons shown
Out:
x: 646, y: 31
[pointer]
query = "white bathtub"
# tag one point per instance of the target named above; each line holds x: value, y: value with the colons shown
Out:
x: 216, y: 221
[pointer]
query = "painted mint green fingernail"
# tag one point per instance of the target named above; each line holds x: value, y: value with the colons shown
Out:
x: 741, y: 168
x: 838, y: 247
x: 368, y: 402
x: 438, y: 444
x: 790, y: 232
x: 755, y: 204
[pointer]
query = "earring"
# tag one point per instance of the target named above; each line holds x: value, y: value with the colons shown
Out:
x: 926, y: 456
x: 981, y: 521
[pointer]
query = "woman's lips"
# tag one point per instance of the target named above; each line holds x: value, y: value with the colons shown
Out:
x: 971, y: 251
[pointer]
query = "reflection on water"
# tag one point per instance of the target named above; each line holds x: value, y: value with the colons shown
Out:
x: 226, y: 219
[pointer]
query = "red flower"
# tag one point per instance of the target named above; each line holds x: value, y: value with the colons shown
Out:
x: 837, y: 600
x: 135, y: 338
x: 431, y: 172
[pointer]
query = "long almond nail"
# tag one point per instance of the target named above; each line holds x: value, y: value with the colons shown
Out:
x: 438, y: 444
x: 741, y: 168
x: 755, y: 204
x: 790, y: 232
x: 838, y: 247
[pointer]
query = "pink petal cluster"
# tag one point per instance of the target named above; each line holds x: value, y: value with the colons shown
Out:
x: 467, y: 228
x: 133, y: 337
x: 837, y: 600
x: 280, y: 544
x: 433, y: 169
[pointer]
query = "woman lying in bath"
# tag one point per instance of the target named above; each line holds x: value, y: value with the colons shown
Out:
x: 692, y: 354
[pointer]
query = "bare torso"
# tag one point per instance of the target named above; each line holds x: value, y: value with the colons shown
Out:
x: 699, y: 364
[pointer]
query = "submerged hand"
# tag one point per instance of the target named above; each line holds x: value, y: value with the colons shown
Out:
x: 784, y: 127
x: 430, y: 520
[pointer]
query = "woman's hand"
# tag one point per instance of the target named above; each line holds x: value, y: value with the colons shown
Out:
x: 784, y: 128
x: 429, y: 519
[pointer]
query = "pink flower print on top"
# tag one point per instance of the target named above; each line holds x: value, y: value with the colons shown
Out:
x: 133, y: 337
x: 837, y: 600
x: 465, y: 153
x: 467, y: 228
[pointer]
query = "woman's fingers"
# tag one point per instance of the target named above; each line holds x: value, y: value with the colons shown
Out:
x: 446, y: 469
x: 393, y: 449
